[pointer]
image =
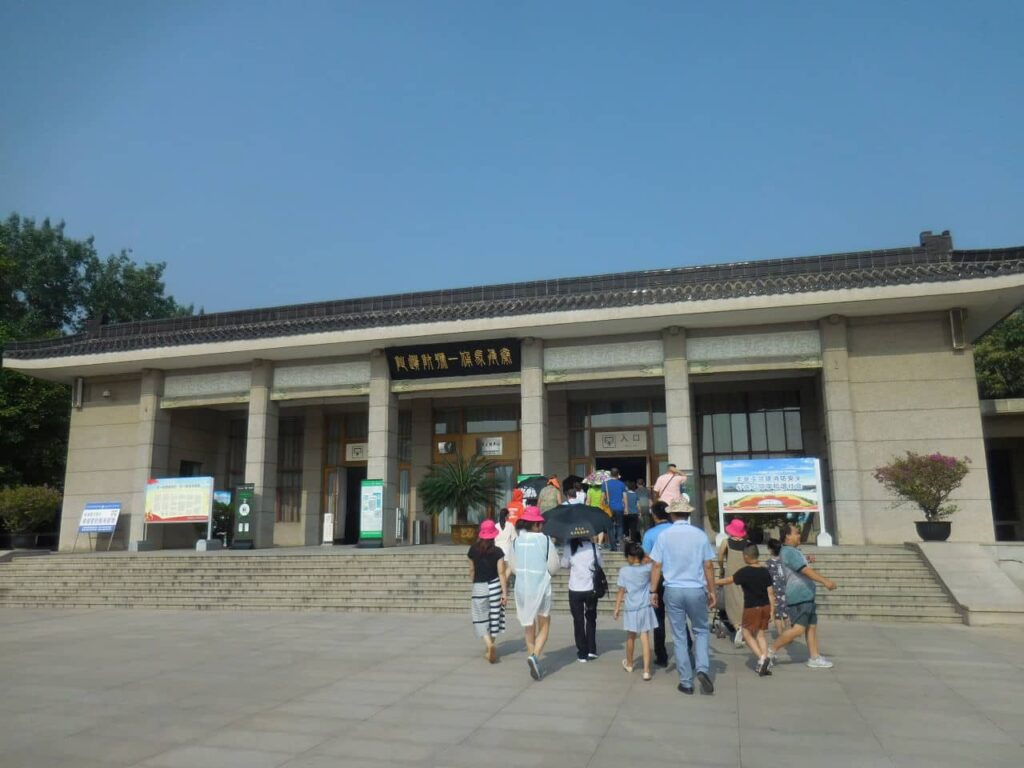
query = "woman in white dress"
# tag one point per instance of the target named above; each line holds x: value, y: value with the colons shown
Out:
x: 534, y: 559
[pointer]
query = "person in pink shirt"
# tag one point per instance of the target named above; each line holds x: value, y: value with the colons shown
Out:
x: 669, y: 487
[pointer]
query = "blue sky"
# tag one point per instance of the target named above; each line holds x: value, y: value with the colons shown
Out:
x: 276, y: 152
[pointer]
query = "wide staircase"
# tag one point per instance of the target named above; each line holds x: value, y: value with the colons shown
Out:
x: 875, y: 583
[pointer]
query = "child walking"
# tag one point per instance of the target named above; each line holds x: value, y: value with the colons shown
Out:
x: 639, y: 619
x: 758, y: 599
x: 780, y: 613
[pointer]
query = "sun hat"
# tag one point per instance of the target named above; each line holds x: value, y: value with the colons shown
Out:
x: 736, y: 528
x: 679, y: 507
x: 488, y: 530
x: 532, y: 515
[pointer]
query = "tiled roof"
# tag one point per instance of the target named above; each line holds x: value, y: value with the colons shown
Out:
x: 929, y: 263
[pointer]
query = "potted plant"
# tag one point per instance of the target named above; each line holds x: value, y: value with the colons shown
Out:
x: 926, y: 481
x: 25, y: 510
x: 460, y: 484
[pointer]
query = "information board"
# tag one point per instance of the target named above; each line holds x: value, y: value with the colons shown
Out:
x: 371, y: 510
x: 99, y: 517
x: 179, y: 500
x: 790, y: 487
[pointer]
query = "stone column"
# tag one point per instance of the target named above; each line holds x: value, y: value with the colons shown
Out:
x: 312, y: 474
x: 153, y: 445
x: 533, y: 418
x: 382, y: 441
x: 261, y: 452
x: 679, y: 425
x: 840, y: 432
x: 422, y: 455
x: 557, y: 452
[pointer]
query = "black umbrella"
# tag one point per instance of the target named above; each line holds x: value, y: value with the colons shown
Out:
x: 576, y: 521
x: 570, y: 481
x: 531, y: 486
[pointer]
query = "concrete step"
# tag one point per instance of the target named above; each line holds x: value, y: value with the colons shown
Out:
x: 875, y: 583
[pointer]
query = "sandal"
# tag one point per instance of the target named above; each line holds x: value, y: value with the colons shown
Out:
x: 492, y: 654
x: 627, y: 666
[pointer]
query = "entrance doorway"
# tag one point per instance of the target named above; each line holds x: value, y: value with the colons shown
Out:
x: 630, y: 467
x: 354, y: 477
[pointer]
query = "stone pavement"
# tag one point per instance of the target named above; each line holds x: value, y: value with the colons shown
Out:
x: 94, y: 688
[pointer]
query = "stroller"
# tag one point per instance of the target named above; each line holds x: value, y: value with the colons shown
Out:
x: 718, y: 622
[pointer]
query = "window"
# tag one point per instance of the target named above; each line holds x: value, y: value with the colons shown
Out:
x: 357, y: 426
x: 632, y: 412
x: 405, y: 438
x: 493, y: 418
x: 289, y: 470
x: 447, y: 422
x: 190, y: 469
x: 343, y: 428
x: 747, y: 425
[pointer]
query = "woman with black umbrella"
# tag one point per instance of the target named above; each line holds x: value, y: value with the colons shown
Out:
x: 580, y: 558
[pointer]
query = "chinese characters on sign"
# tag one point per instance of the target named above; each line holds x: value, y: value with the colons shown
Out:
x: 768, y: 482
x: 489, y: 446
x: 179, y: 500
x: 457, y: 359
x: 100, y: 517
x: 628, y: 441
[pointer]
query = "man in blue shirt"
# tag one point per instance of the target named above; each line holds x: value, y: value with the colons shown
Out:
x: 659, y: 511
x: 615, y: 498
x: 685, y: 558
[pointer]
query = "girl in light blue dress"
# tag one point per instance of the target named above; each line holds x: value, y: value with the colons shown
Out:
x: 638, y: 618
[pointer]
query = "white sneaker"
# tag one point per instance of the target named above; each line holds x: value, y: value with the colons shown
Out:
x: 738, y: 640
x: 772, y: 659
x: 819, y: 662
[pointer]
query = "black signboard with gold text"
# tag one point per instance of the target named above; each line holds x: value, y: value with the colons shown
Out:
x: 466, y: 358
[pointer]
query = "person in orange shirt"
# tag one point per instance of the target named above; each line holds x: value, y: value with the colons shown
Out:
x: 515, y: 507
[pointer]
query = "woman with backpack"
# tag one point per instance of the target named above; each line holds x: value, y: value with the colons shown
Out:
x: 583, y: 559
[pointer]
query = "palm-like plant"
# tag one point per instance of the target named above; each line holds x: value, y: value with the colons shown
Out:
x: 459, y: 484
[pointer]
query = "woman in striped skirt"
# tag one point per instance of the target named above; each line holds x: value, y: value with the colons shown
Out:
x: 490, y: 588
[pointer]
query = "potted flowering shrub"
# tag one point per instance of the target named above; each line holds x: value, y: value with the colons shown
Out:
x: 926, y: 481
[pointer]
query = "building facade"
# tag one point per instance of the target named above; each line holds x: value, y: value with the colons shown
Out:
x: 850, y: 358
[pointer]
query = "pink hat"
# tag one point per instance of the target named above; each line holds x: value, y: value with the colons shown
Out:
x: 737, y: 528
x: 488, y: 530
x: 532, y: 515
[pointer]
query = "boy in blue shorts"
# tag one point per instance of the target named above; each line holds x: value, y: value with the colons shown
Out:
x: 801, y: 581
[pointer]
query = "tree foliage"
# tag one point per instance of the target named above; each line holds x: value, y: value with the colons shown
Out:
x: 999, y: 359
x: 52, y: 285
x: 28, y: 508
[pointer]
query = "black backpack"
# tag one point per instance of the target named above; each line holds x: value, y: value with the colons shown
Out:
x: 600, y: 579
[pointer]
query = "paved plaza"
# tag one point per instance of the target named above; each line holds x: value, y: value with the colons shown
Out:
x: 315, y: 690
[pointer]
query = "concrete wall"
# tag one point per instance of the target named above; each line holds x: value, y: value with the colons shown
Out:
x: 910, y: 390
x: 102, y: 452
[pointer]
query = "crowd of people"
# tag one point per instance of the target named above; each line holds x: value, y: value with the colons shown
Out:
x: 673, y: 581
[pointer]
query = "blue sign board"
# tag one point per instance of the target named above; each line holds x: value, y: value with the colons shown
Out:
x: 99, y: 517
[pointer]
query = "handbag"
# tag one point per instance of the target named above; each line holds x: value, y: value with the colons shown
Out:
x: 600, y: 579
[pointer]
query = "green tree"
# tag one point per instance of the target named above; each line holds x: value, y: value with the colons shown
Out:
x: 999, y: 359
x: 52, y: 285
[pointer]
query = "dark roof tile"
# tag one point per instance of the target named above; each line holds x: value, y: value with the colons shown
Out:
x: 900, y: 266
